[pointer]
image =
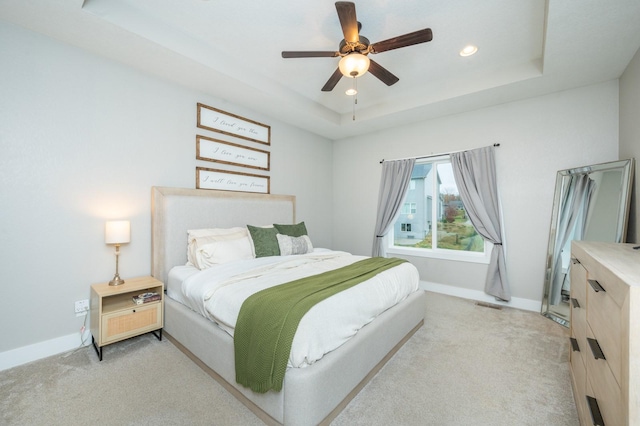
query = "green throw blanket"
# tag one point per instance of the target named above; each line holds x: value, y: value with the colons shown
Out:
x: 268, y: 320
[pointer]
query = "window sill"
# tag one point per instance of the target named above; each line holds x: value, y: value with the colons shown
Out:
x: 445, y: 254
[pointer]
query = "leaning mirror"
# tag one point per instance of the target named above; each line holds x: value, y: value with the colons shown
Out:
x: 591, y: 203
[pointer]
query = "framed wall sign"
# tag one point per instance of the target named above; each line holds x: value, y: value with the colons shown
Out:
x: 209, y: 149
x: 231, y: 181
x: 230, y: 124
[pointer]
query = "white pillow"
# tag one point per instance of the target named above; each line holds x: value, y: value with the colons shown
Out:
x: 199, y: 237
x: 223, y: 251
x: 294, y: 245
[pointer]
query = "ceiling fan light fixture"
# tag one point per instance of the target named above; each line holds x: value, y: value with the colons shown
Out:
x: 468, y: 50
x: 354, y: 64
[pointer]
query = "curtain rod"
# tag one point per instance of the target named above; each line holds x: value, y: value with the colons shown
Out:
x: 432, y: 155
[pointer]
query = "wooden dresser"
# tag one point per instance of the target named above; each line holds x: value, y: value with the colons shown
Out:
x: 605, y: 332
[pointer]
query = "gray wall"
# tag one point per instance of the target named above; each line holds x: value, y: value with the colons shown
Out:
x: 83, y: 139
x: 538, y: 137
x: 630, y: 134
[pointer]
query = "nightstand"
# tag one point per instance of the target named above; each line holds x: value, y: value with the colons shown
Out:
x: 115, y: 316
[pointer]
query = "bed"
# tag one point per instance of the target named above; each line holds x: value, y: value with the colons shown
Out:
x: 311, y: 395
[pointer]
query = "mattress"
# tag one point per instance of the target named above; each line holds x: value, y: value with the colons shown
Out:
x: 218, y: 293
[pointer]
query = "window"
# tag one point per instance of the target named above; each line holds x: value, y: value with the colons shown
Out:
x: 409, y: 208
x: 433, y: 221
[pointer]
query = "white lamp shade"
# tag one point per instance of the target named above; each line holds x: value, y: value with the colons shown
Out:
x: 117, y: 232
x: 354, y: 65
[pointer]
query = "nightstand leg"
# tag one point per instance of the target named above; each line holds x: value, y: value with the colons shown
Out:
x: 98, y: 350
x: 158, y: 336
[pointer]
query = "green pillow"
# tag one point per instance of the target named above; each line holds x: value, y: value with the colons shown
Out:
x: 297, y: 230
x: 265, y: 242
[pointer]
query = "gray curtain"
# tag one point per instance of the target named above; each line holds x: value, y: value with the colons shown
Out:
x: 394, y: 182
x: 573, y: 215
x: 475, y: 175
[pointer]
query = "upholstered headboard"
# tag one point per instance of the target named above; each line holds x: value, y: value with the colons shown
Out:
x: 174, y: 211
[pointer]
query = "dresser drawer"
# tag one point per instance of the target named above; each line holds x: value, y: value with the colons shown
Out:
x: 579, y: 381
x: 578, y: 304
x: 131, y: 322
x: 604, y: 317
x: 604, y: 388
x: 578, y: 283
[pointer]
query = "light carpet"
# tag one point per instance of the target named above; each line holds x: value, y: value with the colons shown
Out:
x: 468, y: 365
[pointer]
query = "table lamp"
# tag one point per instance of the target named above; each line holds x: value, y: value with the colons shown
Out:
x: 117, y: 232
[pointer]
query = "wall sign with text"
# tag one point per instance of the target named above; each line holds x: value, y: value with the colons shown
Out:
x: 209, y: 149
x: 230, y: 124
x: 231, y: 181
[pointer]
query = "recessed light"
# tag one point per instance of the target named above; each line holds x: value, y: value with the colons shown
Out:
x: 351, y: 92
x: 468, y: 50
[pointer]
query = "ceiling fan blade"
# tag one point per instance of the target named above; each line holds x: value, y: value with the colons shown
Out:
x: 333, y: 80
x: 313, y: 54
x: 416, y: 37
x: 347, y: 15
x: 381, y: 73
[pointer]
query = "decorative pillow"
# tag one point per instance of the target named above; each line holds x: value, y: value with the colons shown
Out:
x: 264, y: 241
x: 199, y: 237
x: 294, y: 245
x: 296, y: 230
x: 223, y: 251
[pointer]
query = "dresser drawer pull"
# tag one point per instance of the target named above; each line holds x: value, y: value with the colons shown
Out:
x: 595, y: 348
x: 596, y: 416
x: 575, y: 261
x: 575, y: 302
x: 596, y: 286
x: 574, y: 345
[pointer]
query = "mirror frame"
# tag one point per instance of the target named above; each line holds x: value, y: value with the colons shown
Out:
x: 627, y: 168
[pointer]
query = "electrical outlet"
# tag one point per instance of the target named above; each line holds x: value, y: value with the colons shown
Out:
x: 82, y: 307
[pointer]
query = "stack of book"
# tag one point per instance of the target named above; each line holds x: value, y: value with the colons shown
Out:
x: 146, y: 298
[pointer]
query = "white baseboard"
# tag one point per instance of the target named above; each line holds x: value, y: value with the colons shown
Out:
x: 26, y: 354
x: 465, y: 293
x: 62, y: 344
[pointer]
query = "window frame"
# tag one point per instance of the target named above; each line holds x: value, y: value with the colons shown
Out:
x: 437, y: 253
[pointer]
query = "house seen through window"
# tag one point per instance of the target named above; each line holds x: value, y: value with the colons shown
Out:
x: 433, y: 218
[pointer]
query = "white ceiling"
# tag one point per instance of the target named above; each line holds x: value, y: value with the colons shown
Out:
x: 231, y: 50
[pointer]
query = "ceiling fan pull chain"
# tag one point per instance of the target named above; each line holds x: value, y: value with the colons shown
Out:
x: 355, y: 97
x: 353, y: 118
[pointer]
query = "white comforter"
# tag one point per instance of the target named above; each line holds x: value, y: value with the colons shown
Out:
x: 218, y: 293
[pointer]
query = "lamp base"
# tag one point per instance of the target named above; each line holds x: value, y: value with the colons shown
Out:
x: 116, y: 280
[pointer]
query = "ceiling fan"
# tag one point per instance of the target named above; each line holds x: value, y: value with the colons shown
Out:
x: 354, y: 48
